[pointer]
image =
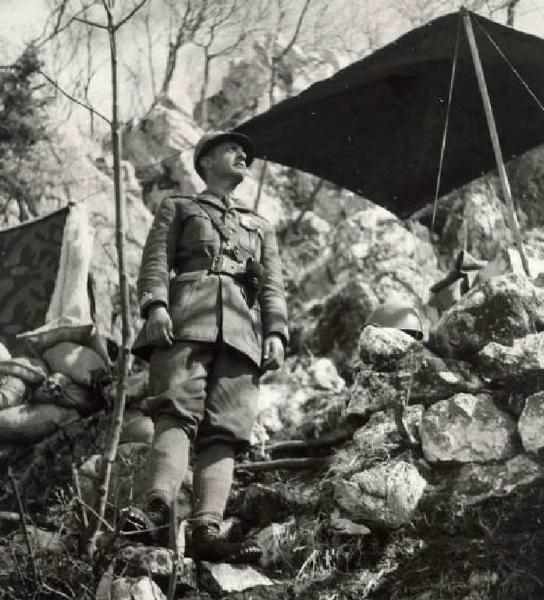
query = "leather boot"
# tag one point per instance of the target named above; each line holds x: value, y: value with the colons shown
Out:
x: 149, y: 526
x: 208, y: 544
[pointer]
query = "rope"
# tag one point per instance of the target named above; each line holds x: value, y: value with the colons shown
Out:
x: 512, y: 67
x: 446, y: 125
x: 443, y: 145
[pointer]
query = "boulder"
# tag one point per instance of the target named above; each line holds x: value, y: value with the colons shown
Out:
x: 425, y: 379
x: 346, y: 528
x: 531, y: 424
x: 271, y: 539
x: 386, y: 495
x: 128, y: 588
x: 381, y: 435
x: 157, y: 562
x: 220, y: 579
x: 324, y: 375
x: 475, y: 483
x: 383, y: 347
x: 374, y: 391
x: 500, y: 310
x: 519, y: 367
x: 467, y: 428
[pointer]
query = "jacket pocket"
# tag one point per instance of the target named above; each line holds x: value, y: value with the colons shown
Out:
x: 251, y: 238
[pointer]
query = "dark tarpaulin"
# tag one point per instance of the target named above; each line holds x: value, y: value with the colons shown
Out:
x: 29, y: 255
x: 376, y: 126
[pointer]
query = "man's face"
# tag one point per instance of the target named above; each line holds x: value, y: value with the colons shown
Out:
x: 227, y: 159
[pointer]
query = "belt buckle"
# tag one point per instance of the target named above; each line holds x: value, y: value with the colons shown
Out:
x: 217, y: 263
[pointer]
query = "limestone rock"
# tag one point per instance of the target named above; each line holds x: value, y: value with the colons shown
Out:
x: 531, y: 424
x: 381, y: 434
x: 426, y: 380
x: 271, y: 539
x: 476, y: 483
x: 386, y: 495
x: 467, y: 428
x: 324, y: 375
x: 220, y: 579
x: 500, y: 310
x: 138, y: 560
x: 343, y: 527
x: 128, y: 588
x: 383, y: 347
x: 373, y: 391
x: 280, y: 408
x: 519, y: 367
x: 438, y: 378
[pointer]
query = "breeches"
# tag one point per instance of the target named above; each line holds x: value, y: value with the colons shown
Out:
x: 210, y: 388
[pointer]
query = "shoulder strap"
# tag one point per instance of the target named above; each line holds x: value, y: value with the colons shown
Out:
x: 224, y: 233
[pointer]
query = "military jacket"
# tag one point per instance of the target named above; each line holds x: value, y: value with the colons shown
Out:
x: 206, y: 306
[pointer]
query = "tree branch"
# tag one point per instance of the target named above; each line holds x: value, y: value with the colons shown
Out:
x: 129, y: 15
x: 91, y: 23
x: 72, y: 98
x: 296, y: 32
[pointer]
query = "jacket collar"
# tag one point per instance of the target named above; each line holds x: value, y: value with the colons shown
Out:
x: 211, y: 198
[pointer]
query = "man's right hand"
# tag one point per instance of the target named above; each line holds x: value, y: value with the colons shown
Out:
x: 158, y: 327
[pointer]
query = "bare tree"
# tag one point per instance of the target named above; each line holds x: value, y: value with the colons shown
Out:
x: 188, y: 17
x: 229, y: 21
x: 275, y: 58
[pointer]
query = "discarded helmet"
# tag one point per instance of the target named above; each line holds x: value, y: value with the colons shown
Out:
x: 398, y: 316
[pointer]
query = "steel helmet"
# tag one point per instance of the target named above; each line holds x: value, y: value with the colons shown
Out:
x: 213, y: 138
x: 398, y: 316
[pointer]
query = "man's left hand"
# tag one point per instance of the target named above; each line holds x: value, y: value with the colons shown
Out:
x: 274, y: 353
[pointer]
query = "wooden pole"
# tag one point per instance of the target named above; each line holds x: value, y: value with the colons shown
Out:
x: 503, y: 177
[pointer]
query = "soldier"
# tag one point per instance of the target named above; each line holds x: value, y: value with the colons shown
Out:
x: 211, y: 330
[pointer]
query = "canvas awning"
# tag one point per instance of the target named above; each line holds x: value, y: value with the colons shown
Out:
x: 376, y: 126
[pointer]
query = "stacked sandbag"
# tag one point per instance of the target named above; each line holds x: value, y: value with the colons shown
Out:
x: 21, y: 422
x: 53, y: 385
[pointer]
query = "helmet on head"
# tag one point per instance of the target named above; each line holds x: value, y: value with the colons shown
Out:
x: 398, y: 316
x: 213, y: 138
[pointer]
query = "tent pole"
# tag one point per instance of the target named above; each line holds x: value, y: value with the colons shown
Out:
x: 503, y: 177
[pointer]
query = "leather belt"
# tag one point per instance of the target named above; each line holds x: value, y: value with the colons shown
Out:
x: 214, y: 264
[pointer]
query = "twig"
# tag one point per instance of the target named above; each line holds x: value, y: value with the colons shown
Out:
x: 129, y: 16
x: 174, y: 543
x: 35, y: 575
x: 90, y: 23
x: 329, y: 439
x: 70, y: 97
x: 96, y: 515
x: 77, y: 487
x: 293, y: 464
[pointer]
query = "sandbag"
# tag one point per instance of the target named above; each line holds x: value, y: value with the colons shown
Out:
x: 28, y: 424
x: 137, y: 428
x: 80, y: 363
x: 65, y: 329
x: 12, y: 391
x: 31, y: 371
x: 59, y: 389
x: 5, y: 354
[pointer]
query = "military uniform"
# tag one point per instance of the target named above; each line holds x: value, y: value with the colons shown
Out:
x: 196, y: 250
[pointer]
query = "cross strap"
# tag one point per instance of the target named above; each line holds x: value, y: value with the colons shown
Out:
x: 221, y: 228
